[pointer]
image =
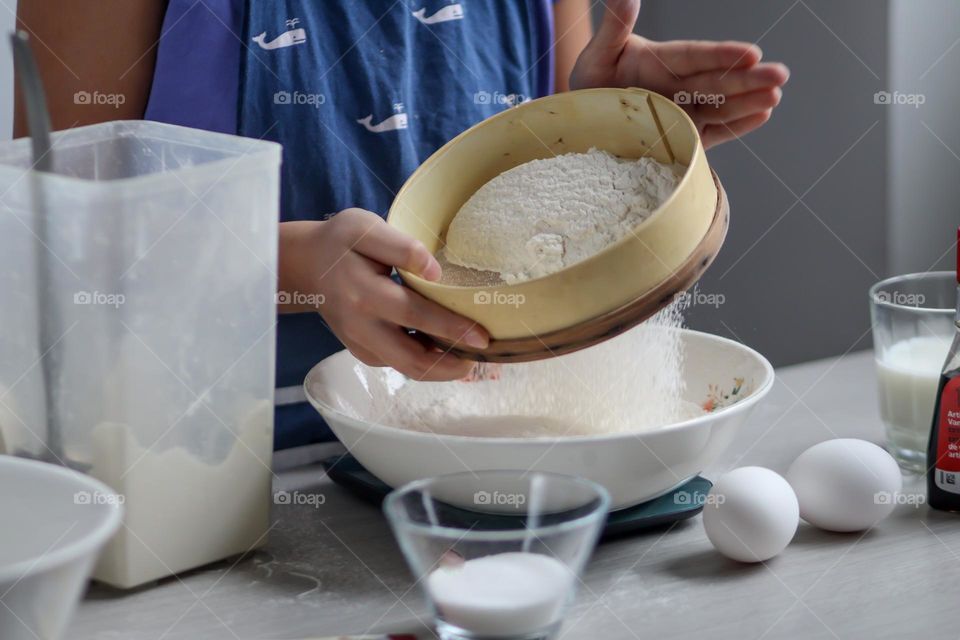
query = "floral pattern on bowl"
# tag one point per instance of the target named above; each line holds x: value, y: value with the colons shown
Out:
x: 717, y: 398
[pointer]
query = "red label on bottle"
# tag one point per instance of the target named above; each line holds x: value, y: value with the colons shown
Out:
x: 947, y: 463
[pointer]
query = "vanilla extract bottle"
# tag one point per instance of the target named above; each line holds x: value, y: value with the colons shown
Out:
x: 943, y: 450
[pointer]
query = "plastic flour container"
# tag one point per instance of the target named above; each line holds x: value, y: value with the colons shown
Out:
x: 155, y: 284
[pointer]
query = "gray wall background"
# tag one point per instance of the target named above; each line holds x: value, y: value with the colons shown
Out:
x: 878, y: 185
x: 836, y: 191
x: 809, y: 208
x: 924, y: 145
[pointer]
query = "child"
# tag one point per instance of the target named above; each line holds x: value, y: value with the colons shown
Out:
x: 359, y: 93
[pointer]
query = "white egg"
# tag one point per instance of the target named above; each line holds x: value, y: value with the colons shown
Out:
x: 845, y: 484
x: 751, y: 514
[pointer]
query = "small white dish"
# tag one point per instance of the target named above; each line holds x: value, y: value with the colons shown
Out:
x: 55, y: 523
x: 724, y: 376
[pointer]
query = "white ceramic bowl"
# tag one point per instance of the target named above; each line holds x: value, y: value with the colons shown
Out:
x: 633, y: 467
x: 55, y: 521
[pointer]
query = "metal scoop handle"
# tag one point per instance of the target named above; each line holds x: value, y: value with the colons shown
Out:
x: 35, y: 100
x: 38, y: 122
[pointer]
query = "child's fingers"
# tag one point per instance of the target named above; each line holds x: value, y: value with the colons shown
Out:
x: 715, y: 134
x: 761, y: 76
x: 408, y: 308
x: 416, y: 360
x: 690, y: 57
x: 370, y: 236
x: 616, y: 25
x: 483, y: 371
x: 365, y: 356
x: 393, y: 247
x: 736, y: 107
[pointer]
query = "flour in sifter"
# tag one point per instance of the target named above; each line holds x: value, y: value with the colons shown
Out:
x: 544, y: 215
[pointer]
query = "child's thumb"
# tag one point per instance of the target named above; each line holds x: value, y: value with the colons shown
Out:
x: 619, y: 18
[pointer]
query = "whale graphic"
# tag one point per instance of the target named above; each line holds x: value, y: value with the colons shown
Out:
x: 448, y: 13
x: 394, y: 122
x: 285, y: 39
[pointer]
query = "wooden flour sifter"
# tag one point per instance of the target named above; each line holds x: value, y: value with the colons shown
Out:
x: 608, y: 293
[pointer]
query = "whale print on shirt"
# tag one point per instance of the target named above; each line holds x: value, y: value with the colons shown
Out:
x: 447, y: 14
x: 285, y: 39
x: 393, y: 123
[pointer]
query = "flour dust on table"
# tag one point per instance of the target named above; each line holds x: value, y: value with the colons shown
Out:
x: 579, y: 394
x: 544, y: 215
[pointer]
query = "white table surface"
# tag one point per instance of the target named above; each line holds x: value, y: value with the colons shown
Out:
x: 335, y: 568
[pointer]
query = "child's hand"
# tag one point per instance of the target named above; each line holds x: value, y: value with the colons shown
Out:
x: 722, y: 85
x: 348, y: 260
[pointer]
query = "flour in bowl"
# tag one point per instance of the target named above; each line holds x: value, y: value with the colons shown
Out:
x: 544, y: 215
x: 631, y: 383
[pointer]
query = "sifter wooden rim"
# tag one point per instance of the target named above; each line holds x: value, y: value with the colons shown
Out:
x: 612, y: 323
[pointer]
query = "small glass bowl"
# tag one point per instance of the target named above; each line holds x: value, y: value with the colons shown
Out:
x: 498, y: 553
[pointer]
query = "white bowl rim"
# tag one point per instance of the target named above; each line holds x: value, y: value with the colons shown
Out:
x: 690, y: 423
x: 69, y: 553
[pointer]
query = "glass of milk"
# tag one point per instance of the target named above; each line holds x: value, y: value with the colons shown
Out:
x: 913, y: 324
x: 498, y: 553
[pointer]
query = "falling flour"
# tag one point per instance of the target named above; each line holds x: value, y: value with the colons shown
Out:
x: 544, y: 215
x: 630, y: 383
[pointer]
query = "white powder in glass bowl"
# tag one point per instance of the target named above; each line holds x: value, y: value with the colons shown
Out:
x: 544, y: 215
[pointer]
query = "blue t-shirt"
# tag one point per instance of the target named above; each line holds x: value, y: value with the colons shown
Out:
x: 359, y: 94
